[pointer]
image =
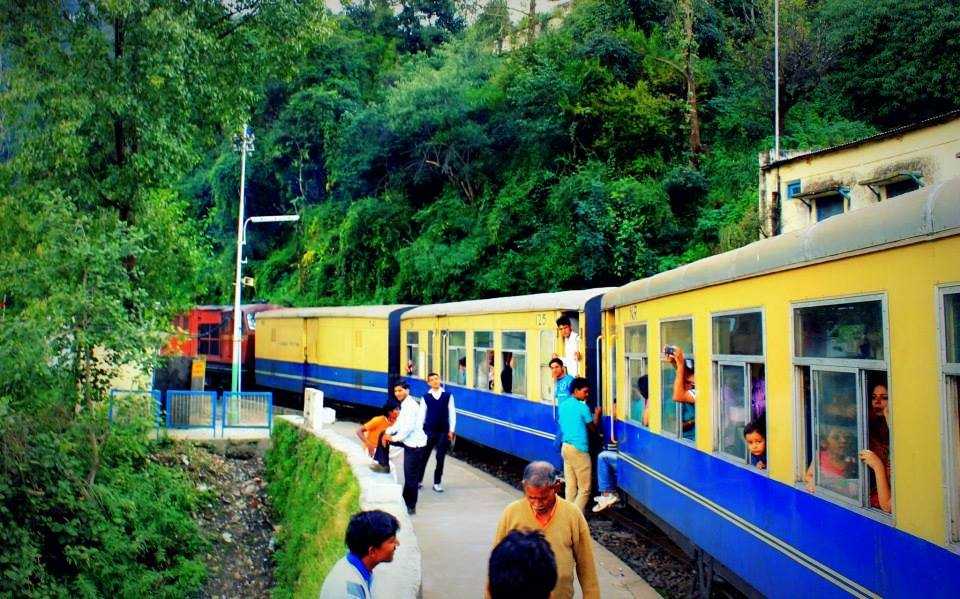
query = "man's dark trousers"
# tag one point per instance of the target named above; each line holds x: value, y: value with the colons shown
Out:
x: 382, y: 453
x: 413, y: 459
x: 440, y: 441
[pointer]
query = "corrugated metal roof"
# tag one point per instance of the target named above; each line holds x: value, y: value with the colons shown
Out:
x: 561, y: 300
x: 334, y: 311
x: 910, y: 218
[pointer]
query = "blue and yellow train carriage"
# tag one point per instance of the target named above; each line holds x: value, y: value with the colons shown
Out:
x: 839, y: 339
x: 494, y: 355
x: 347, y: 352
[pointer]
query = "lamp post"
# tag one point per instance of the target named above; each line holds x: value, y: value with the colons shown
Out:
x: 244, y: 145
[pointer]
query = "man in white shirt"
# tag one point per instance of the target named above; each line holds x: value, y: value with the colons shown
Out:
x: 440, y: 426
x: 571, y: 346
x: 408, y: 431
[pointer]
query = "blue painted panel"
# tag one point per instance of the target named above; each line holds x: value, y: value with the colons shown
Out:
x: 280, y: 375
x: 872, y: 553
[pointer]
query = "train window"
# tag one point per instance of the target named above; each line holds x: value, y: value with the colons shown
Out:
x: 850, y: 330
x: 678, y: 418
x: 251, y: 319
x: 483, y: 360
x: 209, y: 340
x: 413, y: 354
x: 741, y: 387
x: 950, y: 360
x: 456, y: 370
x: 513, y: 376
x: 635, y: 358
x: 431, y: 365
x: 548, y: 341
x: 844, y: 401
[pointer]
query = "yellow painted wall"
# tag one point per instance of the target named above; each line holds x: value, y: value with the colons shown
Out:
x: 932, y: 150
x: 908, y: 277
x: 530, y: 322
x: 348, y: 342
x: 280, y: 339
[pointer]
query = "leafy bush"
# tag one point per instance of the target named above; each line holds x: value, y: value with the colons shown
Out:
x: 314, y: 494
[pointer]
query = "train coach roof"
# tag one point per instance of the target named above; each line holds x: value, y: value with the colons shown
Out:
x: 923, y: 214
x: 560, y: 300
x: 335, y: 311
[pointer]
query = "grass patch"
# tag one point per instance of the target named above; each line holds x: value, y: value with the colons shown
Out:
x: 314, y: 494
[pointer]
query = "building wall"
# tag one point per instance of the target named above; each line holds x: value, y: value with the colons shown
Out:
x: 932, y: 151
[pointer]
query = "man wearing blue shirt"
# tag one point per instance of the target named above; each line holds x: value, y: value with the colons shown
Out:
x: 574, y: 416
x: 561, y: 381
x: 371, y: 539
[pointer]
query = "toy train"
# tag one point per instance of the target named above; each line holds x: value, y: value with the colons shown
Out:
x: 840, y: 340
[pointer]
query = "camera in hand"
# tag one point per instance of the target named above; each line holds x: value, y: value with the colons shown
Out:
x: 670, y: 350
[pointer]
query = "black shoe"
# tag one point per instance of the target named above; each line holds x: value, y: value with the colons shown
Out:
x: 411, y: 510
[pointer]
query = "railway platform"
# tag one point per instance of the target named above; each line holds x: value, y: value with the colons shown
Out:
x: 455, y: 531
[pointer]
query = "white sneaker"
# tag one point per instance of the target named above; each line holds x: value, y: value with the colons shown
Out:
x: 438, y: 488
x: 605, y: 501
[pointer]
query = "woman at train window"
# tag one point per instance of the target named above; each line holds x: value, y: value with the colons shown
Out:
x: 506, y: 376
x: 879, y: 432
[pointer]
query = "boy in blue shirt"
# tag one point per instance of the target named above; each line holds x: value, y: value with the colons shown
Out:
x: 561, y: 380
x: 574, y: 416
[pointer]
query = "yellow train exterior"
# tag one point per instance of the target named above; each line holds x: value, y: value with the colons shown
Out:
x: 344, y: 351
x: 494, y: 356
x: 806, y: 333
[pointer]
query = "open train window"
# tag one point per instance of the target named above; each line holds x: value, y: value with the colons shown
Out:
x: 483, y: 360
x: 513, y: 373
x: 677, y: 418
x: 548, y: 343
x: 950, y: 360
x: 413, y: 354
x: 456, y: 354
x: 739, y: 372
x: 839, y: 353
x: 635, y: 365
x: 208, y: 337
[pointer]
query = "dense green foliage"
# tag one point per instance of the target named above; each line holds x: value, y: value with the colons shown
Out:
x: 314, y: 493
x: 452, y: 167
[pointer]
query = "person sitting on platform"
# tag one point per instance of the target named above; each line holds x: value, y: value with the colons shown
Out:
x: 371, y: 431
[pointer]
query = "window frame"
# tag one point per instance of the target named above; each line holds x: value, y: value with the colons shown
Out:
x: 445, y: 360
x: 524, y: 352
x: 862, y: 365
x: 547, y: 395
x: 644, y: 358
x: 484, y: 349
x: 863, y: 478
x: 844, y: 205
x: 213, y: 335
x: 678, y: 406
x: 950, y: 419
x: 791, y: 193
x: 413, y: 354
x: 744, y: 361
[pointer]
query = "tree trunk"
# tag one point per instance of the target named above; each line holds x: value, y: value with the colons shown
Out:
x: 689, y: 55
x: 533, y: 21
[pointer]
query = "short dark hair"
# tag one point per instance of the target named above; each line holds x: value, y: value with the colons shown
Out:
x: 401, y: 383
x: 522, y: 565
x: 433, y: 374
x: 370, y: 529
x: 756, y: 427
x: 564, y: 321
x: 579, y: 383
x: 555, y: 360
x: 390, y: 406
x: 643, y: 385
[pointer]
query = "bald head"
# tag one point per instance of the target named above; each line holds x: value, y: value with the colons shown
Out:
x: 539, y: 474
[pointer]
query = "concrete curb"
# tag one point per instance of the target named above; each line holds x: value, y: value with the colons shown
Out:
x: 402, y: 577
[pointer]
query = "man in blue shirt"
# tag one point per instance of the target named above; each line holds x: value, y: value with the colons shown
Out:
x: 561, y: 381
x: 371, y: 539
x: 574, y: 416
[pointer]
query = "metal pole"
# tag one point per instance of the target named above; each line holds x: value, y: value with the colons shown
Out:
x: 246, y: 143
x: 776, y: 79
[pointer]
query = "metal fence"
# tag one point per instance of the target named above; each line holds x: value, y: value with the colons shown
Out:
x: 192, y: 409
x: 247, y: 409
x: 127, y: 406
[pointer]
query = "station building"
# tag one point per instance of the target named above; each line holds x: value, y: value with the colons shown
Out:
x: 804, y: 187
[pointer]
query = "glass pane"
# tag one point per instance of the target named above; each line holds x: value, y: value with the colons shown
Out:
x: 668, y: 407
x: 733, y: 410
x: 483, y: 339
x: 853, y: 331
x: 951, y: 319
x: 547, y: 344
x: 953, y: 397
x: 456, y: 365
x: 680, y: 417
x: 639, y: 389
x: 430, y: 366
x: 613, y: 370
x: 678, y: 333
x: 456, y: 339
x: 513, y: 375
x: 413, y: 338
x: 635, y: 339
x: 515, y: 340
x: 738, y: 334
x: 483, y: 362
x: 835, y: 394
x: 829, y: 206
x: 758, y: 392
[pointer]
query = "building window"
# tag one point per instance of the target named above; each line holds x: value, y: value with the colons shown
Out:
x: 678, y: 418
x: 413, y: 354
x: 513, y: 376
x: 635, y: 361
x: 892, y: 190
x: 209, y: 340
x: 829, y: 205
x: 950, y: 359
x: 844, y: 399
x: 738, y: 361
x: 793, y: 188
x: 483, y: 360
x: 456, y: 371
x: 548, y: 341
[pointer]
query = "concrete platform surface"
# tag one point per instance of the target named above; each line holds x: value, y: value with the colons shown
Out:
x: 455, y: 530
